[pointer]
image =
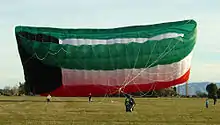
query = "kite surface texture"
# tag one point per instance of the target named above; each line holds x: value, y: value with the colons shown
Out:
x: 76, y: 62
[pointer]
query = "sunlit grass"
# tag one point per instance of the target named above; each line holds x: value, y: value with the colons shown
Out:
x: 110, y: 111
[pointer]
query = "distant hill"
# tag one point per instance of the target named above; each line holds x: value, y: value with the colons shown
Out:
x: 194, y: 87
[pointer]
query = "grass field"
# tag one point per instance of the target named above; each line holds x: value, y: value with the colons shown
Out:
x: 106, y: 111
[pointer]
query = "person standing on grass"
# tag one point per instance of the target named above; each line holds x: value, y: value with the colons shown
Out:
x: 133, y: 103
x: 48, y: 98
x: 207, y: 103
x: 129, y: 103
x: 215, y: 99
x: 90, y: 97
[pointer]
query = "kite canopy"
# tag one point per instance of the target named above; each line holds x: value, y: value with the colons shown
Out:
x: 76, y: 62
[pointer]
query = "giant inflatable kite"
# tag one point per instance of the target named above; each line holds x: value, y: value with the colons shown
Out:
x: 76, y: 62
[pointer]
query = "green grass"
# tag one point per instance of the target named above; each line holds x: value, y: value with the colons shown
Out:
x: 106, y: 111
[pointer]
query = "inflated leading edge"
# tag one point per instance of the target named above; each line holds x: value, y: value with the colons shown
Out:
x: 75, y: 62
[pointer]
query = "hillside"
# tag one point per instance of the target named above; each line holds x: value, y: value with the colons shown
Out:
x: 193, y: 87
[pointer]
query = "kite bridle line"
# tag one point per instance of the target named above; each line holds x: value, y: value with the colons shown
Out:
x: 124, y: 83
x: 161, y: 56
x: 128, y: 75
x: 154, y: 84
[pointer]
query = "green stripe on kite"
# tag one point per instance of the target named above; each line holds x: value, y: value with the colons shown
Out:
x: 113, y: 56
x: 146, y: 31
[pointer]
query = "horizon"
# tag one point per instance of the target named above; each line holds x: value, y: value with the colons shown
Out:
x: 111, y: 14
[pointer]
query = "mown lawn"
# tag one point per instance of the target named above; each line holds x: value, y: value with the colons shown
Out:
x: 106, y: 111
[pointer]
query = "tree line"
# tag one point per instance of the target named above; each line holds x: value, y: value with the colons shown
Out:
x: 17, y: 90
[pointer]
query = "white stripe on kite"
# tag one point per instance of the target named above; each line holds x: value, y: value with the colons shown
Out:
x: 78, y: 42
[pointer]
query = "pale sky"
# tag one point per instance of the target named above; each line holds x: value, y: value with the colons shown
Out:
x: 108, y: 14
